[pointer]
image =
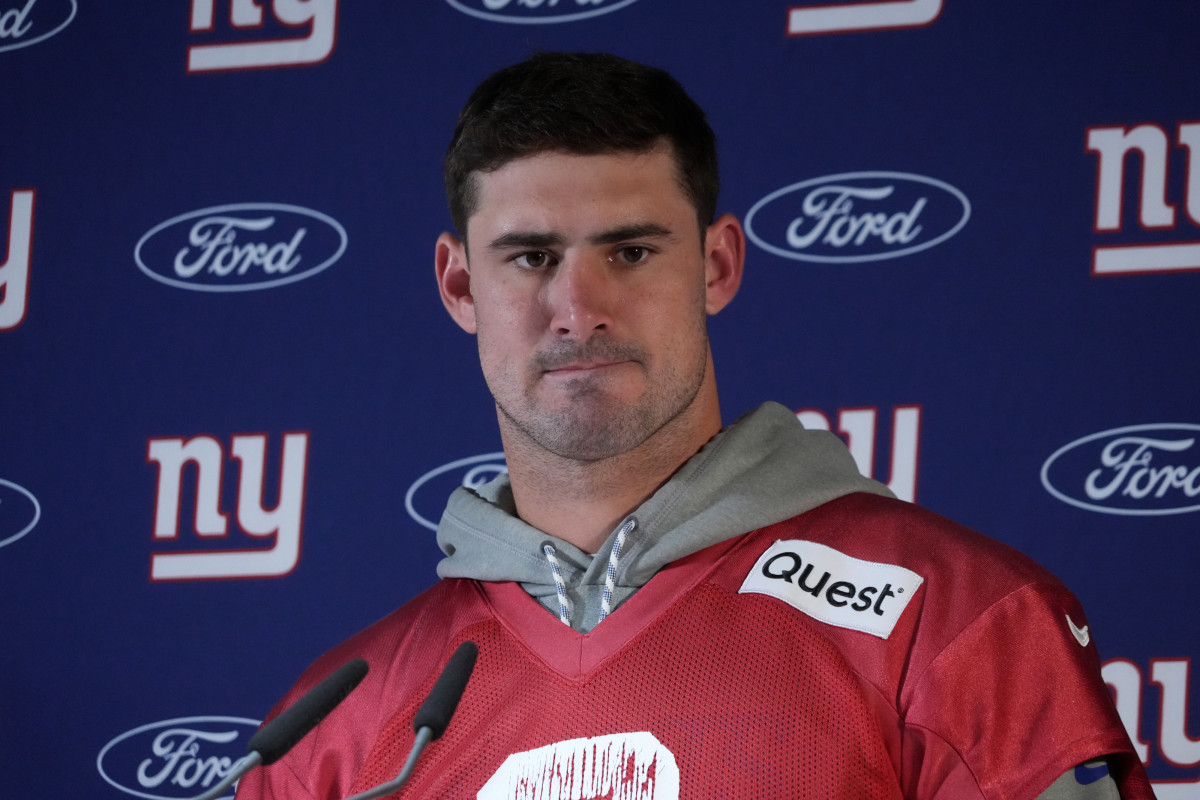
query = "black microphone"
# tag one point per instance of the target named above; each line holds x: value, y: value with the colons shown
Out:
x: 443, y: 698
x: 277, y: 737
x: 434, y: 714
x: 273, y: 740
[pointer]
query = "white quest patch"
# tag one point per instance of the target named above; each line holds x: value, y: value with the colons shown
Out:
x: 622, y: 766
x: 832, y: 587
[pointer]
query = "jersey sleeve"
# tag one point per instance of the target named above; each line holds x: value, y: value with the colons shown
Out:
x: 1012, y: 702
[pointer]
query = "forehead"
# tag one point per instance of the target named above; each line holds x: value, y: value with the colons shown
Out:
x: 564, y: 191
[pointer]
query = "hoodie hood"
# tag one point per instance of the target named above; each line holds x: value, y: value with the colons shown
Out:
x: 763, y: 469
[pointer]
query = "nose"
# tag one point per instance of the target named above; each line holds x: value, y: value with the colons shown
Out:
x: 581, y: 297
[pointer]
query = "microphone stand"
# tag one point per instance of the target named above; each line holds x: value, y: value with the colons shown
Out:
x: 424, y: 737
x: 239, y: 768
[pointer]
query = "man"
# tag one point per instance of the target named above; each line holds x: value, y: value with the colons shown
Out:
x: 780, y: 626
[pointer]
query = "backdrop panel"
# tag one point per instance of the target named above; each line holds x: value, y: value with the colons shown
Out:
x: 233, y: 405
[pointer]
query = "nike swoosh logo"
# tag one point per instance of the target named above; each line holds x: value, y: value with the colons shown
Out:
x: 1082, y: 635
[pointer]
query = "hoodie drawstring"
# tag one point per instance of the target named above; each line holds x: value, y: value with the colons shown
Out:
x: 610, y: 575
x: 564, y: 613
x: 614, y: 558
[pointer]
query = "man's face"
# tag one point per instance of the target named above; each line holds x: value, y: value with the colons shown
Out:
x: 587, y: 282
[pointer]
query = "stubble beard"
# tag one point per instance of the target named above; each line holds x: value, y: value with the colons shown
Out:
x: 589, y: 424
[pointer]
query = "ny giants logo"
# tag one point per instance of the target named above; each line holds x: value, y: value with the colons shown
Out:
x: 859, y: 429
x: 1112, y: 145
x: 27, y: 22
x: 1180, y: 752
x: 175, y: 758
x: 240, y: 247
x: 19, y: 512
x: 809, y: 19
x: 317, y: 17
x: 857, y: 216
x: 14, y: 270
x: 1140, y: 470
x: 535, y: 12
x: 280, y: 525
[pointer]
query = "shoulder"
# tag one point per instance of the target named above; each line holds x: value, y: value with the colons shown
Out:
x: 878, y: 528
x: 413, y: 636
x: 989, y: 635
x: 948, y: 580
x: 403, y: 651
x: 411, y: 633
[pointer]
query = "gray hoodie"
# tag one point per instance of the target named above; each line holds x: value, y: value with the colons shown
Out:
x: 763, y: 469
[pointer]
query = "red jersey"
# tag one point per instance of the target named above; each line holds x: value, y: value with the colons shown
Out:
x: 866, y: 648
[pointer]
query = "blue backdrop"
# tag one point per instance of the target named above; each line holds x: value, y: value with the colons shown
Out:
x: 232, y: 404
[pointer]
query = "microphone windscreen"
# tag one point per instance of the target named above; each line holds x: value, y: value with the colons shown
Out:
x: 443, y: 698
x: 278, y: 736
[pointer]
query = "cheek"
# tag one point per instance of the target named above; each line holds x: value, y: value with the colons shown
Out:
x: 507, y: 308
x: 505, y: 333
x: 496, y: 362
x: 684, y: 308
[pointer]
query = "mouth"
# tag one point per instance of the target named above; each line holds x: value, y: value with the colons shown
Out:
x: 578, y: 365
x: 596, y: 357
x: 580, y: 368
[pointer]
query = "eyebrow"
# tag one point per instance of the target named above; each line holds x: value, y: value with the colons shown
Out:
x: 645, y: 230
x: 525, y: 239
x: 535, y: 240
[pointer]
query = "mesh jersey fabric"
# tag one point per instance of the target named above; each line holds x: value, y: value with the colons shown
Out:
x: 689, y: 691
x: 695, y: 689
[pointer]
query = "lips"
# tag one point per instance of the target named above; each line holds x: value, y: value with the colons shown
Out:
x: 596, y: 353
x: 586, y: 367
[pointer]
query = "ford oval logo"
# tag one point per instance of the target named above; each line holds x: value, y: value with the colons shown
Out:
x: 429, y: 492
x: 19, y: 512
x: 176, y: 758
x: 1140, y: 470
x: 857, y: 216
x: 534, y: 12
x: 26, y: 22
x: 240, y: 247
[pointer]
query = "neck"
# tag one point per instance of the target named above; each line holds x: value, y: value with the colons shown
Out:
x: 581, y: 502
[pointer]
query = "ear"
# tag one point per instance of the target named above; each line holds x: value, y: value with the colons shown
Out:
x: 724, y: 258
x: 454, y: 280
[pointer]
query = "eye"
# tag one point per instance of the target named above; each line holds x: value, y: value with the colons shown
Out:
x: 534, y: 259
x: 633, y: 254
